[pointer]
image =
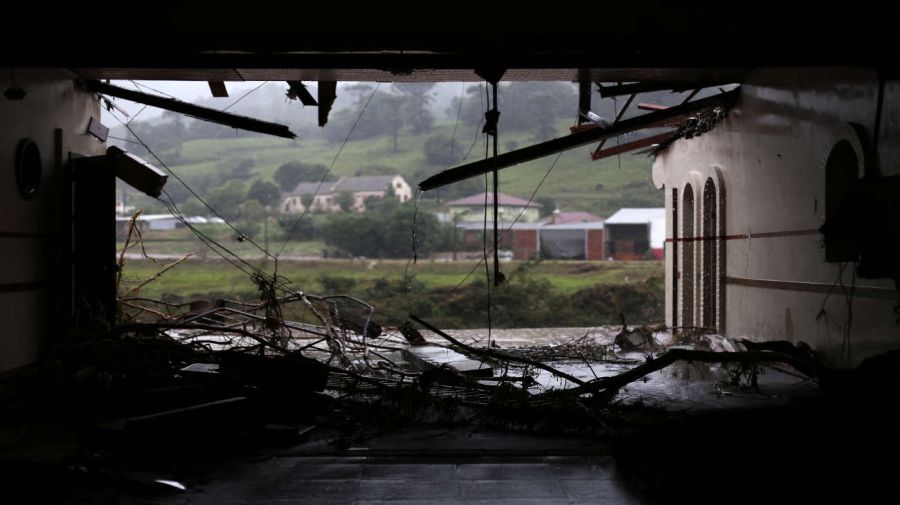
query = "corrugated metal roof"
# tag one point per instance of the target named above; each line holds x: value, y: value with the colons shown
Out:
x: 637, y: 215
x: 572, y: 217
x: 312, y: 188
x: 590, y: 225
x: 479, y: 199
x: 364, y: 183
x: 478, y: 225
x: 655, y: 217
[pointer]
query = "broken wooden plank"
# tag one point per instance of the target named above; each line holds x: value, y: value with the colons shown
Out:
x: 490, y: 353
x: 195, y: 111
x: 327, y: 95
x: 431, y: 357
x: 652, y: 106
x: 580, y: 138
x: 599, y: 154
x: 647, y: 86
x: 619, y: 117
x: 218, y: 89
x: 297, y: 91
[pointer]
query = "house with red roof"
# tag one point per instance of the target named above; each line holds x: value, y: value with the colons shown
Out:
x: 511, y: 208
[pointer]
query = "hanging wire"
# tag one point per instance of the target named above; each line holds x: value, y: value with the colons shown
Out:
x: 190, y: 190
x: 328, y: 172
x: 477, y: 128
x: 129, y: 141
x: 516, y: 220
x: 413, y: 259
x: 484, y: 259
x: 245, y: 95
x: 140, y: 85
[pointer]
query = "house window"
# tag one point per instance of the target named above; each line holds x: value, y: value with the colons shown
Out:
x: 841, y: 172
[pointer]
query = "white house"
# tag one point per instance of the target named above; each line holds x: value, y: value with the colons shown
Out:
x: 472, y: 208
x: 325, y: 197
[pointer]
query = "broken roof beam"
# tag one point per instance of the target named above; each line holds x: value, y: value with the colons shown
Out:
x: 297, y: 91
x: 600, y: 153
x: 195, y: 111
x: 579, y: 138
x: 327, y: 95
x: 647, y: 86
x: 651, y: 106
x: 218, y: 89
x: 618, y: 118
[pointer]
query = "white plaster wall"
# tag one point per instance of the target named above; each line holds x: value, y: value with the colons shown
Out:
x: 29, y: 228
x: 771, y: 151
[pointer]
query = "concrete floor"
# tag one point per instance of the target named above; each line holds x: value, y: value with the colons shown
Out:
x: 430, y: 466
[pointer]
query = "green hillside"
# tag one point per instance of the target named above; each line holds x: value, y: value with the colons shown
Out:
x: 576, y: 183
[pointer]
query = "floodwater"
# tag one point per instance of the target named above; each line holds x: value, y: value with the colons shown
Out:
x: 681, y: 386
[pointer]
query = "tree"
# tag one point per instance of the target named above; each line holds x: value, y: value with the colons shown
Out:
x: 440, y: 150
x: 193, y: 207
x: 376, y: 170
x: 289, y: 174
x: 239, y: 169
x: 264, y: 192
x: 227, y: 198
x: 252, y: 210
x: 303, y: 229
x: 416, y: 98
x: 384, y: 234
x: 549, y: 205
x: 307, y: 199
x: 345, y: 200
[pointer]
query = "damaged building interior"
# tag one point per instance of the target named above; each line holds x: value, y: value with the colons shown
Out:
x: 774, y: 377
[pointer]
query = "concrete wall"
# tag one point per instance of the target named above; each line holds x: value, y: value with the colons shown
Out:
x: 30, y: 230
x: 766, y: 162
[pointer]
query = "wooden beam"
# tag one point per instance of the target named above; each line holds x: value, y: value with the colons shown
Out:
x: 218, y: 89
x: 298, y: 90
x: 642, y: 87
x: 195, y: 111
x: 651, y: 106
x: 327, y: 95
x: 618, y: 118
x: 599, y: 154
x: 580, y: 138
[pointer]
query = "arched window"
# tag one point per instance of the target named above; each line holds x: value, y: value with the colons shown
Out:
x: 709, y: 252
x: 841, y: 172
x: 687, y: 258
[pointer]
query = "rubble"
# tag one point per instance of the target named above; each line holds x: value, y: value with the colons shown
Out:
x: 318, y: 374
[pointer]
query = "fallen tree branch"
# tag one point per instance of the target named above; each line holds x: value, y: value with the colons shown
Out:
x: 125, y: 328
x: 159, y: 274
x: 615, y: 382
x: 492, y: 354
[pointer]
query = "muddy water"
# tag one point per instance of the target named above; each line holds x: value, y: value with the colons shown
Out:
x: 526, y: 337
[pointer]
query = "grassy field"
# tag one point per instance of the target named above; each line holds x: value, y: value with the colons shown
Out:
x: 213, y: 279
